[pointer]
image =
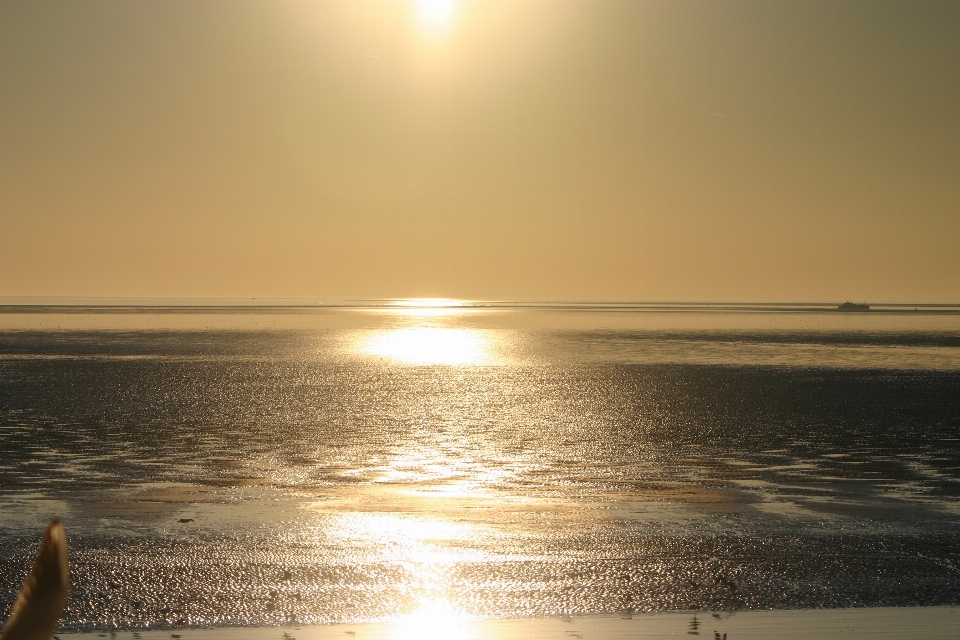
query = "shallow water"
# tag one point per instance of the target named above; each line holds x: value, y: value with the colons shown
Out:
x: 358, y: 465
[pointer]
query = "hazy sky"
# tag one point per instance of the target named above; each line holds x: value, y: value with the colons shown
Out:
x: 519, y: 149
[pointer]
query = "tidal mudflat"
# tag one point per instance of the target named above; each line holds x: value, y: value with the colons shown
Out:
x: 379, y: 466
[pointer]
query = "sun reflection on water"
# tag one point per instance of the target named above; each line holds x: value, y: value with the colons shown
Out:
x: 408, y: 538
x: 428, y: 307
x: 429, y: 302
x: 431, y: 346
x: 433, y: 619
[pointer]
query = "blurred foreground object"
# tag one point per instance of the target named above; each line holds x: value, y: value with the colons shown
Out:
x: 36, y: 613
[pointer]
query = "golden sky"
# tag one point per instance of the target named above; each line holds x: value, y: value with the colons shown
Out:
x: 491, y: 149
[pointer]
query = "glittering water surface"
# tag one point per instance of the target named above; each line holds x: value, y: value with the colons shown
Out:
x: 401, y: 463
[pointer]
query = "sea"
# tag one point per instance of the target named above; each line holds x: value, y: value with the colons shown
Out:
x: 262, y: 465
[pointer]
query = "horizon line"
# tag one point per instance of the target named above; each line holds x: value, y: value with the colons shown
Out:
x: 12, y: 303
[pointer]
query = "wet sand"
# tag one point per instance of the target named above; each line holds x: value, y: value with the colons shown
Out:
x: 930, y: 623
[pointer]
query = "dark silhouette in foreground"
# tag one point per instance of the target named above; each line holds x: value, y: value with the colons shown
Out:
x: 36, y: 612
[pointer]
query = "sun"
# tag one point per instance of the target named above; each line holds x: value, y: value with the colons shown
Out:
x: 435, y: 14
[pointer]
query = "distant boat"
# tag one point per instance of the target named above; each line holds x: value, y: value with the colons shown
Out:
x: 853, y: 306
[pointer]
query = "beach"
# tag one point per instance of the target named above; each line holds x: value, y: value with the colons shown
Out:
x: 929, y: 623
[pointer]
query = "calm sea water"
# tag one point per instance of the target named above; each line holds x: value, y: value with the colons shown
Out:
x: 316, y: 466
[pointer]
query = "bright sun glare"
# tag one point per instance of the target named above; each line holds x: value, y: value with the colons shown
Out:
x: 431, y: 345
x: 427, y: 307
x: 429, y: 302
x: 432, y: 621
x: 435, y: 14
